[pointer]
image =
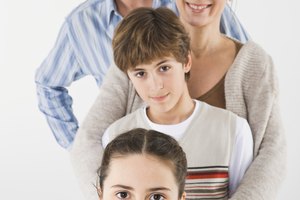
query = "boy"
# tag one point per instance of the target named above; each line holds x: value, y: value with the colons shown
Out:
x: 83, y: 48
x: 153, y: 48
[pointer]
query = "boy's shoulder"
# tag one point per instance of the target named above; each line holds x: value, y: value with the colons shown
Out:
x: 215, y: 115
x: 133, y: 120
x: 214, y: 111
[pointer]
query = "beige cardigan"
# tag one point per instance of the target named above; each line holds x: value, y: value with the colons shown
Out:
x: 251, y: 91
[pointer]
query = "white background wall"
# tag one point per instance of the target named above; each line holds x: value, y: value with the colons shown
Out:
x: 33, y: 166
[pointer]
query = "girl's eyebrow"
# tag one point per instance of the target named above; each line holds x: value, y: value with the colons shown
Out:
x: 159, y: 188
x: 130, y: 188
x: 122, y: 186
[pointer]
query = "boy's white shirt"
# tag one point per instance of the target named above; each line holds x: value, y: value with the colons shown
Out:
x: 242, y: 154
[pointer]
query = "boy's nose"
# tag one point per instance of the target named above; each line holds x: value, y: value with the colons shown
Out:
x: 156, y: 83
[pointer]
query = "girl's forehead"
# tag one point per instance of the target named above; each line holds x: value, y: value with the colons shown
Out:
x: 134, y: 161
x: 132, y: 170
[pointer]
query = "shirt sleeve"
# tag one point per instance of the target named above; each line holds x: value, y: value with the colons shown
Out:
x: 242, y: 154
x: 232, y: 27
x: 58, y: 70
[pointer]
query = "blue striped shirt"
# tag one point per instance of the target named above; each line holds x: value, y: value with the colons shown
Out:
x: 83, y: 47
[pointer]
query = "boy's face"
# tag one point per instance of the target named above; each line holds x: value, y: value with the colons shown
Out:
x: 161, y: 84
x: 128, y: 178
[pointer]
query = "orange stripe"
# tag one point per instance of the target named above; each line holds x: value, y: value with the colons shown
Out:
x: 207, y: 175
x: 195, y: 187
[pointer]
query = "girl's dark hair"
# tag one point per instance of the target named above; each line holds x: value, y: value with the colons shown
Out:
x: 151, y: 142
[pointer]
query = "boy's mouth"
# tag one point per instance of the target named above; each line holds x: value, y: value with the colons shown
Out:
x: 159, y: 98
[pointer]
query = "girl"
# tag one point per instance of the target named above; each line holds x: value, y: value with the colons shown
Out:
x: 142, y: 164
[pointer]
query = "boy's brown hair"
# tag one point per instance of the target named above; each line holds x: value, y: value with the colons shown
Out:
x: 148, y: 34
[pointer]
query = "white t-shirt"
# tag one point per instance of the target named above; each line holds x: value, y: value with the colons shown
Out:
x: 242, y: 154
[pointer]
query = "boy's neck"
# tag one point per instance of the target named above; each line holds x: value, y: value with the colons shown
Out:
x: 181, y: 112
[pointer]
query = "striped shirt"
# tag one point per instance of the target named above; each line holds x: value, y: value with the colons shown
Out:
x: 218, y: 146
x: 210, y: 182
x: 83, y: 47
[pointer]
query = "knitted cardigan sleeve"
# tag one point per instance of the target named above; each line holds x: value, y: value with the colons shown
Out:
x: 253, y: 93
x: 116, y: 98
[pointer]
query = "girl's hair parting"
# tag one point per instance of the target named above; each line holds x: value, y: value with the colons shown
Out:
x: 151, y: 142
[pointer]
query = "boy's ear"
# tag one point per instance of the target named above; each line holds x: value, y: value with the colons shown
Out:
x: 99, y: 191
x: 183, y: 196
x: 188, y: 65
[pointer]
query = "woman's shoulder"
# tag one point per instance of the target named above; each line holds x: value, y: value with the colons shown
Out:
x: 253, y: 48
x: 251, y: 60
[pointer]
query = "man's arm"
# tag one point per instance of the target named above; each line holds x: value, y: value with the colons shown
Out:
x: 58, y: 71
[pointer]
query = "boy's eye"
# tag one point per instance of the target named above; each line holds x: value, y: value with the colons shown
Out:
x: 122, y: 195
x: 156, y: 197
x: 140, y: 74
x: 164, y: 68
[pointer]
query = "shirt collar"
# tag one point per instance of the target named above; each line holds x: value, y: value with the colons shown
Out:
x: 159, y: 3
x: 112, y: 11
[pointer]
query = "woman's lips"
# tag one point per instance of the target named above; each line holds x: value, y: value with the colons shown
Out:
x: 198, y: 7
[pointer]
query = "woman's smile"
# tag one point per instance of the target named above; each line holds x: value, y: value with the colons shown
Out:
x: 197, y: 7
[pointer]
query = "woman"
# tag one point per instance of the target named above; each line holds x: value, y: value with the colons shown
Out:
x: 225, y: 73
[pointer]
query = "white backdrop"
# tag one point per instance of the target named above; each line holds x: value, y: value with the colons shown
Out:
x: 33, y: 166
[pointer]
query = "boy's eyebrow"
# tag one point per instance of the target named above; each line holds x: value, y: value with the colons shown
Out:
x: 159, y: 63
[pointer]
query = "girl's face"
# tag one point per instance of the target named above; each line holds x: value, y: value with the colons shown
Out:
x: 200, y: 13
x: 139, y: 177
x: 161, y: 84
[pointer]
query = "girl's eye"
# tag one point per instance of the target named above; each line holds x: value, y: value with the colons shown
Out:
x: 164, y: 68
x: 156, y: 197
x: 122, y: 195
